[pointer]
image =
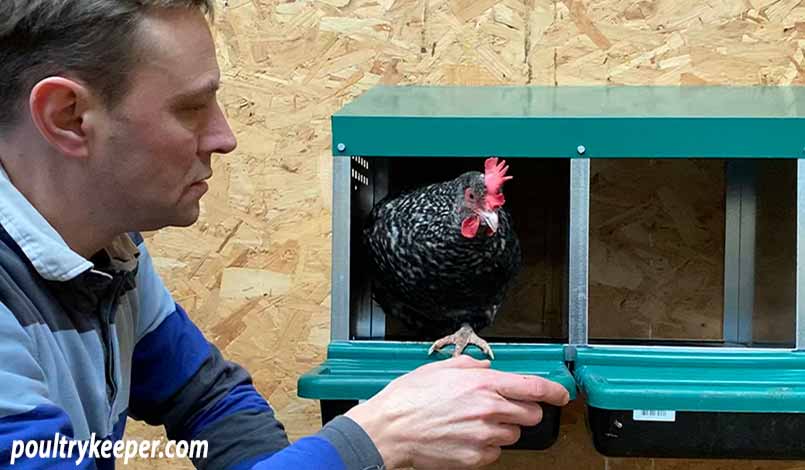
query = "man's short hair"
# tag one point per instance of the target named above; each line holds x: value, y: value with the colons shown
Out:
x: 94, y: 41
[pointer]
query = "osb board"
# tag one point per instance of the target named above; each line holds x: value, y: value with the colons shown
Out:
x: 656, y: 249
x: 289, y: 65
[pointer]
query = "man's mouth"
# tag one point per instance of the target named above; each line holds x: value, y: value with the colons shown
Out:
x: 202, y: 180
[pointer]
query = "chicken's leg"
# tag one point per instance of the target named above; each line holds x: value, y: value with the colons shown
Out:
x: 462, y: 338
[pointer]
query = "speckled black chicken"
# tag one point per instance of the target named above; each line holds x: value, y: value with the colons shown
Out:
x: 442, y: 256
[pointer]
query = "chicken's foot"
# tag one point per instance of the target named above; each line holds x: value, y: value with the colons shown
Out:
x: 461, y: 339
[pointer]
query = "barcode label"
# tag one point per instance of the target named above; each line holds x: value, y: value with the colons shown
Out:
x: 668, y: 416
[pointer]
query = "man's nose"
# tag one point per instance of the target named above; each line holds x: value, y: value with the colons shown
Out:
x: 219, y: 136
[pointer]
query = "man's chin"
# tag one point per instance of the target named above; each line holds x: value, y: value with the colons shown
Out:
x: 185, y: 223
x: 187, y: 219
x: 183, y: 219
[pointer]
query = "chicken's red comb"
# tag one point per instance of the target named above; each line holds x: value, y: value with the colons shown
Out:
x: 495, y: 175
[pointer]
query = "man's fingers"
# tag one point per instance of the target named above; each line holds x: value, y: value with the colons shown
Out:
x: 518, y: 412
x: 489, y: 455
x: 531, y: 388
x: 505, y: 435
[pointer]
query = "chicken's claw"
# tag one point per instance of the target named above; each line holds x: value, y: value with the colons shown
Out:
x: 461, y: 339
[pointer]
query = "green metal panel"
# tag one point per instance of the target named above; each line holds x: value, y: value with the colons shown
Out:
x: 692, y: 380
x: 609, y: 122
x: 356, y: 370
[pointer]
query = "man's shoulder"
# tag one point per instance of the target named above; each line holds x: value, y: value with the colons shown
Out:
x: 13, y: 262
x: 20, y: 290
x: 11, y: 255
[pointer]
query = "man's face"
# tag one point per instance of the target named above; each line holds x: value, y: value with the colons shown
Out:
x: 152, y: 152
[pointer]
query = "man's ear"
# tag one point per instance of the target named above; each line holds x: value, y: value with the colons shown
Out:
x: 58, y: 106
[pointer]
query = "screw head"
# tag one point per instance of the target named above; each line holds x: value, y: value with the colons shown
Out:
x: 581, y: 149
x: 341, y: 147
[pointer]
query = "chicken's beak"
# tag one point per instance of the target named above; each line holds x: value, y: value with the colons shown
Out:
x: 490, y: 218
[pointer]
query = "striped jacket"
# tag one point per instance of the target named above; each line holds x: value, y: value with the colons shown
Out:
x: 86, y: 343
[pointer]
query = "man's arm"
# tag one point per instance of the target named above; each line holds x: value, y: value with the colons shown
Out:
x: 447, y: 414
x: 181, y: 381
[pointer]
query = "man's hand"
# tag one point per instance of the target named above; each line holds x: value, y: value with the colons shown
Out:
x: 455, y: 413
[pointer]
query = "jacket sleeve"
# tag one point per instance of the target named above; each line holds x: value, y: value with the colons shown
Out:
x: 26, y: 412
x: 181, y: 381
x: 341, y: 445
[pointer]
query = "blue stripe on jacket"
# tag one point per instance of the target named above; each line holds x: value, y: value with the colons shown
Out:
x: 166, y: 358
x: 310, y: 453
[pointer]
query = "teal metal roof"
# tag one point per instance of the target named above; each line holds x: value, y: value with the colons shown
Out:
x: 356, y: 370
x: 578, y: 101
x: 612, y: 122
x: 712, y: 380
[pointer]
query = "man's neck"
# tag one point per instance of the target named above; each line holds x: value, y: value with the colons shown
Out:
x: 61, y: 200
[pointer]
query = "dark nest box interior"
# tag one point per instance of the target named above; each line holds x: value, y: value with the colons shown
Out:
x: 537, y: 198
